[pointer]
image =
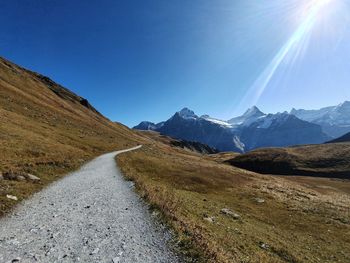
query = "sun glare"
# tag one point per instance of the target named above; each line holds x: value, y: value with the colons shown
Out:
x: 294, y: 46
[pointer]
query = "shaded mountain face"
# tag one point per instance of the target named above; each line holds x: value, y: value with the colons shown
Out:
x: 344, y: 138
x: 148, y: 126
x: 334, y: 120
x: 279, y: 130
x: 193, y: 128
x: 252, y: 130
x: 194, y: 146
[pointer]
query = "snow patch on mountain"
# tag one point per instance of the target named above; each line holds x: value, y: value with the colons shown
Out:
x: 216, y: 121
x: 186, y: 113
x: 334, y: 120
x: 250, y: 116
x: 265, y: 122
x: 251, y: 130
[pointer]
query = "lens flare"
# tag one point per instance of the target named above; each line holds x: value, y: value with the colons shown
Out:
x: 294, y: 43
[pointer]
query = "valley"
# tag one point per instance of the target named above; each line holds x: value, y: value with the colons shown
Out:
x: 47, y: 131
x: 269, y: 219
x: 175, y: 131
x: 324, y: 160
x: 217, y: 205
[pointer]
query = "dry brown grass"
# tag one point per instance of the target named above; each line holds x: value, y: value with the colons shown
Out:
x: 298, y: 221
x: 329, y: 160
x: 223, y: 156
x: 49, y: 135
x: 45, y: 134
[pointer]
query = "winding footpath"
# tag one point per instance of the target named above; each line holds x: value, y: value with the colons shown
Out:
x: 92, y: 215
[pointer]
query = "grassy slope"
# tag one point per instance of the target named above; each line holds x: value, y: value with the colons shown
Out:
x: 47, y: 133
x: 187, y: 145
x: 298, y: 221
x: 331, y: 160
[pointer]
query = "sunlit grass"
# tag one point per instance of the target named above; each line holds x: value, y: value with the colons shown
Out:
x: 297, y: 222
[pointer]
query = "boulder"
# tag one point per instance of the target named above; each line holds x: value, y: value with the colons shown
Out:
x: 32, y: 177
x: 209, y: 219
x: 12, y: 197
x: 20, y: 176
x: 259, y: 200
x: 264, y: 245
x: 230, y: 213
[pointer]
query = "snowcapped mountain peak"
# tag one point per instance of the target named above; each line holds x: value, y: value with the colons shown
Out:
x: 253, y: 111
x: 249, y: 131
x: 273, y: 119
x: 346, y: 103
x: 251, y: 115
x: 334, y: 120
x: 345, y: 106
x: 186, y: 113
x: 293, y: 110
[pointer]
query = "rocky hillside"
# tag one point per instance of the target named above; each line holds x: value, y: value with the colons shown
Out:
x: 47, y: 130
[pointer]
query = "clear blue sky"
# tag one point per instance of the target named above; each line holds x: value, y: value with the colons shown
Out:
x: 144, y: 60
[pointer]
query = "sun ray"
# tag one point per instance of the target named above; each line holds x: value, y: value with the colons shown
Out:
x: 297, y: 43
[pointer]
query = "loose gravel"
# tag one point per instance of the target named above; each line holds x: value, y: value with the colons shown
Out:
x: 92, y: 215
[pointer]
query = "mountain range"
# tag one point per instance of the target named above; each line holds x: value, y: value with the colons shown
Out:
x: 48, y: 131
x: 334, y: 120
x: 255, y: 129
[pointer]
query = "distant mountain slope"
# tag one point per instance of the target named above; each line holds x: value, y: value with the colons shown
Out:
x: 344, y: 138
x: 279, y: 130
x: 334, y: 120
x: 252, y: 130
x: 148, y: 126
x: 196, y: 147
x: 48, y: 130
x: 324, y: 160
x: 188, y: 126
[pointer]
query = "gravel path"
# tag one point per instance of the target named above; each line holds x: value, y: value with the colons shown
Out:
x: 92, y: 215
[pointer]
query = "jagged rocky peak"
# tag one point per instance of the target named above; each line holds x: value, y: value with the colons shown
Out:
x: 186, y: 113
x: 293, y: 111
x: 346, y: 103
x: 248, y: 117
x: 343, y: 106
x: 253, y: 111
x: 145, y: 125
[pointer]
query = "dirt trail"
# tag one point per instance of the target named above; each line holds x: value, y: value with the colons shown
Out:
x: 92, y: 215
